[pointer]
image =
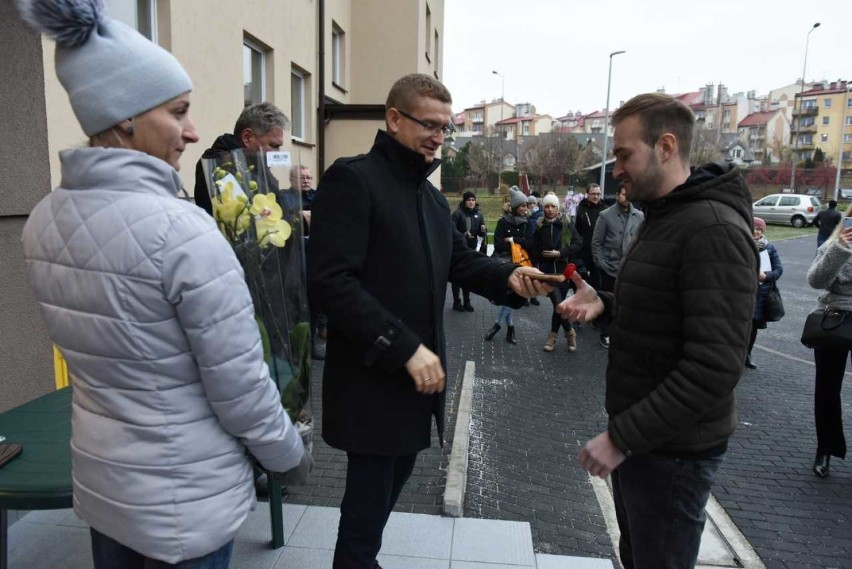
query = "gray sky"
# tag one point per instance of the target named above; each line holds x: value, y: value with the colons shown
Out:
x: 555, y: 53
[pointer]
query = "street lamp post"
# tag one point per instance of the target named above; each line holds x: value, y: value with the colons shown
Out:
x: 606, y: 121
x: 502, y: 105
x: 799, y: 122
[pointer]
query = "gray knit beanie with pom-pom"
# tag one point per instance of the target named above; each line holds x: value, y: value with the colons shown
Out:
x: 111, y: 72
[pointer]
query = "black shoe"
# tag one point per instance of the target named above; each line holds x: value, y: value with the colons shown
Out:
x: 492, y: 332
x: 457, y: 306
x: 468, y: 306
x: 748, y: 363
x: 535, y: 302
x: 821, y: 465
x: 510, y: 335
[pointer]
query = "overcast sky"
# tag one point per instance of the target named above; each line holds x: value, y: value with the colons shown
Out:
x: 555, y: 53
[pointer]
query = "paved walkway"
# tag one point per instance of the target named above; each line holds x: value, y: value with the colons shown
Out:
x: 59, y: 540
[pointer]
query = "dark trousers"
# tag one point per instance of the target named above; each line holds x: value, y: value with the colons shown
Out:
x: 659, y: 504
x: 607, y: 284
x: 456, y: 288
x: 373, y: 484
x: 556, y: 296
x: 828, y: 411
x: 109, y: 554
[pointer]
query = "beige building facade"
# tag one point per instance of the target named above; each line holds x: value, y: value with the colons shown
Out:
x: 328, y: 64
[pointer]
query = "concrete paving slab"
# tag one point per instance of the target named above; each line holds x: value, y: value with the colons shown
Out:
x: 402, y: 562
x: 417, y: 535
x: 254, y: 555
x: 317, y: 529
x: 492, y: 541
x: 477, y: 565
x: 257, y: 529
x: 47, y: 517
x: 714, y: 550
x: 40, y: 546
x: 544, y: 561
x: 304, y: 558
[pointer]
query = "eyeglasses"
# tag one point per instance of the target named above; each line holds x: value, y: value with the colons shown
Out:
x: 430, y: 127
x: 306, y: 178
x: 594, y: 193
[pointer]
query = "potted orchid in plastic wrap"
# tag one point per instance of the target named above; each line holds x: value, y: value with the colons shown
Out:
x: 267, y: 240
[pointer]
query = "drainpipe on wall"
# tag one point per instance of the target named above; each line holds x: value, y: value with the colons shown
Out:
x: 321, y: 90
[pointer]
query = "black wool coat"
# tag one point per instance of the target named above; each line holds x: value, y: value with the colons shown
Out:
x: 383, y: 248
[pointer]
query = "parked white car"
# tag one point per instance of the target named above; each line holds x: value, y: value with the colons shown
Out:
x: 797, y: 210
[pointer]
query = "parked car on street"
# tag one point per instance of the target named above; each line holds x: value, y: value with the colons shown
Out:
x: 845, y: 194
x: 797, y: 210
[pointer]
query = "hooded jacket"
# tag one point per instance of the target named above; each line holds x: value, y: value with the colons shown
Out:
x: 587, y: 217
x: 681, y: 317
x: 383, y: 248
x: 147, y: 303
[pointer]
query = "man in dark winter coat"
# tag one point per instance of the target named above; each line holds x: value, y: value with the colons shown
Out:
x: 259, y: 127
x: 471, y: 223
x: 826, y: 220
x: 682, y: 310
x: 383, y: 248
x: 587, y: 216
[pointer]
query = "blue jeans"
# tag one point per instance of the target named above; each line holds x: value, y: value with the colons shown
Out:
x: 505, y: 313
x: 109, y: 554
x: 659, y: 504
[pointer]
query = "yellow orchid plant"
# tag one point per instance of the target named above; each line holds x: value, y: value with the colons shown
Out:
x: 245, y: 204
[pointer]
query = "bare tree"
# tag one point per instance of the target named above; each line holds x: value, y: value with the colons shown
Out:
x: 484, y: 157
x: 705, y: 146
x: 589, y: 156
x: 783, y: 152
x: 552, y: 157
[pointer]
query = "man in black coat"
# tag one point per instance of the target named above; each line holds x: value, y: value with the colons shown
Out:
x: 383, y: 248
x: 827, y: 220
x: 259, y: 127
x: 682, y: 310
x: 587, y: 217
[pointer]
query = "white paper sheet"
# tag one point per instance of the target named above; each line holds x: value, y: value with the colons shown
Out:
x: 765, y: 263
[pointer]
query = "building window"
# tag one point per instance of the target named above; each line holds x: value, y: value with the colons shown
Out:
x: 825, y: 120
x: 806, y: 139
x: 254, y: 74
x: 823, y: 137
x: 848, y: 121
x: 298, y: 111
x: 847, y: 138
x: 827, y: 103
x: 428, y: 36
x: 141, y: 15
x: 849, y: 103
x: 809, y: 104
x: 338, y: 54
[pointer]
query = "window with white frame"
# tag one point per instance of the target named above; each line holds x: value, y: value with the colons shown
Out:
x: 338, y: 54
x: 254, y: 74
x: 141, y: 15
x: 825, y: 120
x: 849, y: 103
x: 806, y: 139
x: 823, y: 138
x: 847, y: 138
x: 298, y: 109
x: 809, y: 104
x: 848, y: 121
x: 827, y: 104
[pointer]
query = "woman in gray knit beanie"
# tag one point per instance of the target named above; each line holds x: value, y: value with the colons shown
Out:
x: 146, y: 301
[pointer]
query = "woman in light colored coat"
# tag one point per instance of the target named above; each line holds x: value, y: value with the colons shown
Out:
x: 147, y: 302
x: 831, y: 272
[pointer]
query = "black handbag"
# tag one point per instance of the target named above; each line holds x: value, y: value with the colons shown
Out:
x: 826, y: 328
x: 773, y: 306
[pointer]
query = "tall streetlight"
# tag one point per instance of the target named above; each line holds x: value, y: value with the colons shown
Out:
x: 606, y: 120
x: 502, y: 105
x: 799, y: 122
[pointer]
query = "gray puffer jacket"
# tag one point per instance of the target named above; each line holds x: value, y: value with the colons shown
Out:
x: 614, y: 233
x: 831, y: 270
x: 147, y: 302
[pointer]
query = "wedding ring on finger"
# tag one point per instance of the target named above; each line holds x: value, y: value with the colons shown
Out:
x: 427, y: 379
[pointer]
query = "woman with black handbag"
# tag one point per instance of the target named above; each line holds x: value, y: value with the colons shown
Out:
x: 831, y: 271
x: 763, y: 313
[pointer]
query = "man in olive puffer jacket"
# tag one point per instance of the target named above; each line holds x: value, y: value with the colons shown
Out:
x: 680, y: 319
